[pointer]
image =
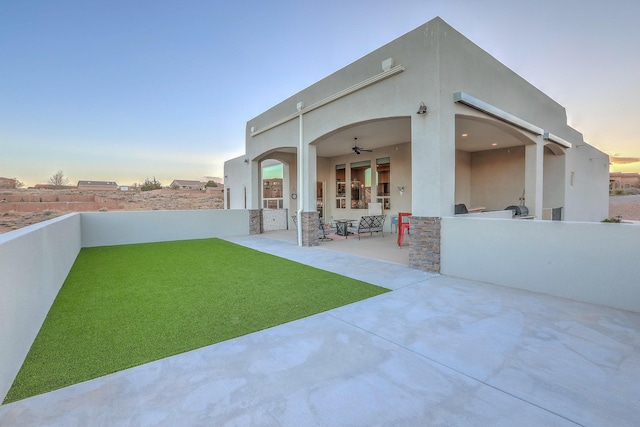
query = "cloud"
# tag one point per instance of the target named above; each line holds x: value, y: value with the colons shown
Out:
x: 624, y: 160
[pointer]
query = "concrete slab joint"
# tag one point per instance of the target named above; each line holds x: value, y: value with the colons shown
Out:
x: 310, y: 224
x: 424, y: 248
x: 255, y: 221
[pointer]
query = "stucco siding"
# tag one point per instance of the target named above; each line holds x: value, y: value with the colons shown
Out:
x: 34, y: 262
x: 497, y: 178
x: 122, y: 228
x: 577, y: 260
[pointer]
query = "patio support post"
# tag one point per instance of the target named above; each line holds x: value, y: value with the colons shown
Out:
x: 424, y: 246
x: 307, y: 212
x: 310, y: 224
x: 255, y: 221
x: 433, y: 180
x: 300, y: 173
x: 534, y: 175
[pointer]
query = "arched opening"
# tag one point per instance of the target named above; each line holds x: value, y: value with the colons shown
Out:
x: 360, y: 165
x: 277, y: 184
x: 490, y: 163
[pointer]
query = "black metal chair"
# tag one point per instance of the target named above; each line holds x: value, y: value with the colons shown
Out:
x: 323, y: 231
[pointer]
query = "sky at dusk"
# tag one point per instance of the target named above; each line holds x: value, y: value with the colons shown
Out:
x: 125, y: 90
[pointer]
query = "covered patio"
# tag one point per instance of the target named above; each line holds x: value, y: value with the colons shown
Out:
x: 374, y: 247
x: 420, y: 125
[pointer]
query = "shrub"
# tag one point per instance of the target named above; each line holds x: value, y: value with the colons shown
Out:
x: 614, y: 220
x: 151, y: 185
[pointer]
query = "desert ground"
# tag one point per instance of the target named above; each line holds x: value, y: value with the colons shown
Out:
x: 627, y: 207
x: 124, y: 200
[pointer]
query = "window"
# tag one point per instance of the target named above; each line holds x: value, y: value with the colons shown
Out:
x: 360, y: 184
x: 272, y: 194
x: 272, y: 185
x: 320, y: 198
x: 341, y: 186
x: 383, y: 180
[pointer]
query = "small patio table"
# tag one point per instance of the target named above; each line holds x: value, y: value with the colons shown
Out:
x: 341, y: 226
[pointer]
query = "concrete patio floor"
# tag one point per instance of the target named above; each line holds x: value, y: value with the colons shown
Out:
x: 435, y: 351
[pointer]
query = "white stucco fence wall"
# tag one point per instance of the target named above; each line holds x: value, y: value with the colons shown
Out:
x: 591, y: 262
x: 34, y: 262
x: 122, y: 228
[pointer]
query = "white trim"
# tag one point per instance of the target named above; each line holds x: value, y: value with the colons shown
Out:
x: 371, y: 80
x: 465, y: 98
x: 553, y: 138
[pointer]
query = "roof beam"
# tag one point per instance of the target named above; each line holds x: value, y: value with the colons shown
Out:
x: 477, y: 104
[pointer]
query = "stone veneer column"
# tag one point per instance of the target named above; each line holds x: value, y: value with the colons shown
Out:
x: 310, y: 224
x: 424, y: 247
x: 255, y: 221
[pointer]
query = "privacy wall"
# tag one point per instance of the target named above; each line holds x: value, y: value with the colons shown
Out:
x: 584, y: 261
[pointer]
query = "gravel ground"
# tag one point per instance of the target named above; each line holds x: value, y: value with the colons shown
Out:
x: 628, y: 207
x: 128, y: 201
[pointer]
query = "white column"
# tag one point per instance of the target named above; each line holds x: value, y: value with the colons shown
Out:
x: 309, y: 179
x: 301, y: 172
x: 433, y: 163
x: 534, y: 177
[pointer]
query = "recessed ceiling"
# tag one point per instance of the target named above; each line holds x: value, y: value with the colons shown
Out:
x: 371, y: 135
x: 486, y: 134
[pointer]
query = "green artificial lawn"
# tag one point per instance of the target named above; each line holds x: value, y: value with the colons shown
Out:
x: 123, y: 306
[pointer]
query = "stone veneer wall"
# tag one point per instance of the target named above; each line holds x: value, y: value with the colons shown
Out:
x: 310, y: 224
x: 424, y: 248
x: 255, y: 221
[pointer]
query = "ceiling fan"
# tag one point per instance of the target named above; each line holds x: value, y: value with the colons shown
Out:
x: 357, y: 149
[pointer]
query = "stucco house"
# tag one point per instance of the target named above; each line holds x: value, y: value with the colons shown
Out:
x: 186, y: 184
x: 424, y: 123
x: 97, y: 185
x: 623, y: 180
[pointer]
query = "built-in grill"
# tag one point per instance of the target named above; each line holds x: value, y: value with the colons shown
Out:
x: 518, y: 210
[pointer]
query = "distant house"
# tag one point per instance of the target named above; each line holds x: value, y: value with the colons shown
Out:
x: 184, y: 184
x: 53, y: 187
x: 8, y: 182
x: 620, y: 180
x: 97, y: 185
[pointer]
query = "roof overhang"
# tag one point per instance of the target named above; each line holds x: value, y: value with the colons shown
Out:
x: 477, y: 104
x: 553, y: 138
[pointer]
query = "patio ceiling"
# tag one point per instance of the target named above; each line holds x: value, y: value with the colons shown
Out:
x: 486, y: 134
x: 481, y: 135
x: 371, y: 135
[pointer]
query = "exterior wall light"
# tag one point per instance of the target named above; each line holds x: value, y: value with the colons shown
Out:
x: 422, y: 109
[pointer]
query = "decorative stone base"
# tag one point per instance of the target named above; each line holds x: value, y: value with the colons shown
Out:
x: 255, y: 221
x: 424, y: 248
x: 310, y: 224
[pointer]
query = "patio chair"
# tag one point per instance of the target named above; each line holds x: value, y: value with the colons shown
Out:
x: 368, y: 224
x: 323, y: 231
x: 402, y: 226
